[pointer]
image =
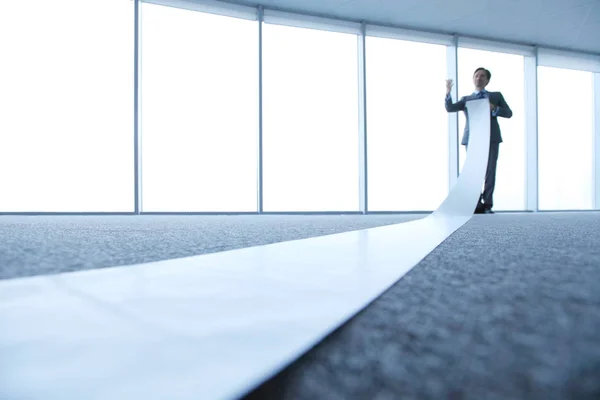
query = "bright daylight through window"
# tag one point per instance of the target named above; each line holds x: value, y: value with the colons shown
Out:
x: 199, y: 111
x: 566, y: 138
x: 407, y: 127
x: 310, y: 120
x: 66, y: 106
x: 67, y: 114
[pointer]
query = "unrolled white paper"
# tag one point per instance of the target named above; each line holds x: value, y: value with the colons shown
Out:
x: 213, y: 326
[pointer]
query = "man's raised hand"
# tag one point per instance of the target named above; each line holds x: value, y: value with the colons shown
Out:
x: 449, y: 85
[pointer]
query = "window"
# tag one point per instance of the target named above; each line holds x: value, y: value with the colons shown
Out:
x: 407, y: 125
x: 565, y: 137
x: 508, y: 77
x: 199, y: 111
x: 66, y: 106
x: 310, y: 120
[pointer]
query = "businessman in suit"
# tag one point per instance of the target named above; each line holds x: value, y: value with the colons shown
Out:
x: 498, y: 108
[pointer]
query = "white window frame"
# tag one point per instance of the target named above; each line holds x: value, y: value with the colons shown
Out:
x: 531, y: 134
x: 211, y: 7
x: 408, y: 35
x: 568, y: 60
x: 453, y: 143
x: 596, y: 159
x: 275, y: 17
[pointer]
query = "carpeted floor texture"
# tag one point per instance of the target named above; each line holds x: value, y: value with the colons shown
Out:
x: 34, y: 245
x: 506, y: 308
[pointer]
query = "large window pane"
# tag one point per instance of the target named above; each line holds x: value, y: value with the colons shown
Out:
x: 508, y: 77
x: 310, y: 128
x: 199, y: 111
x: 66, y: 106
x: 565, y: 134
x: 407, y: 125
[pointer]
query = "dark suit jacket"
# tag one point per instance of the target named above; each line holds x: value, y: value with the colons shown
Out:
x: 503, y: 110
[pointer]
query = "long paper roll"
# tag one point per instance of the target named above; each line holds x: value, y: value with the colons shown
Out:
x: 463, y: 197
x: 213, y: 326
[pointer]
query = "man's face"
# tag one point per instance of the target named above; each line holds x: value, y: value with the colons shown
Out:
x: 480, y: 79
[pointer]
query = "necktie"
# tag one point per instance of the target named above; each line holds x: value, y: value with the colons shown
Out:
x: 481, y: 95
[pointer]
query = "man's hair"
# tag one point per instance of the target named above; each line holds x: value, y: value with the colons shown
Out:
x: 487, y: 72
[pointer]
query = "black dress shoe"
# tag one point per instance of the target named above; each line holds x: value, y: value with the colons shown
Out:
x: 488, y: 211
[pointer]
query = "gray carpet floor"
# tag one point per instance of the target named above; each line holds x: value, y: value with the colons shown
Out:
x: 34, y: 245
x: 506, y: 308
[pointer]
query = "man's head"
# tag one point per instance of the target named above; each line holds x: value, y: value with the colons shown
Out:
x: 481, y: 77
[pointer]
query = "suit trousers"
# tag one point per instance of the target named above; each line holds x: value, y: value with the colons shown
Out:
x: 487, y: 197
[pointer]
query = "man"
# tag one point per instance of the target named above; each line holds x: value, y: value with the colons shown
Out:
x: 498, y: 108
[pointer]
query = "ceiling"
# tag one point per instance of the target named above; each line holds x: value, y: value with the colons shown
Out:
x: 560, y: 24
